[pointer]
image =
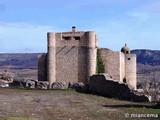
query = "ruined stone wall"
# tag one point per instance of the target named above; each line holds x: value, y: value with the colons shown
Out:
x: 100, y: 85
x: 112, y: 62
x: 130, y: 65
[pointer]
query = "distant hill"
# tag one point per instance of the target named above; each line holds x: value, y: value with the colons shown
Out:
x: 147, y: 57
x: 19, y: 60
x: 148, y: 65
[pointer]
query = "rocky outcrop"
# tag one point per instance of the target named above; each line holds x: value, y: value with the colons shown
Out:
x: 98, y: 84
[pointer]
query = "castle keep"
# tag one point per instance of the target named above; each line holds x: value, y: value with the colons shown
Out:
x: 71, y: 57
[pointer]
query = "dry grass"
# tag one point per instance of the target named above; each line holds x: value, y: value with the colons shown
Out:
x: 19, y: 104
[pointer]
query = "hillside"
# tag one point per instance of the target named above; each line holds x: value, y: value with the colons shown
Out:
x: 19, y: 60
x: 148, y: 65
x: 147, y: 57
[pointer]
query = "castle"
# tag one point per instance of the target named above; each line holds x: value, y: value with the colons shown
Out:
x: 72, y: 57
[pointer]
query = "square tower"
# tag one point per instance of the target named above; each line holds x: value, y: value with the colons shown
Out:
x: 71, y: 57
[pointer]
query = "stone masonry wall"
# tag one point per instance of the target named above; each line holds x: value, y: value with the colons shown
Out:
x: 100, y: 85
x: 112, y: 62
x: 75, y: 56
x: 42, y: 67
x: 71, y: 57
x: 82, y: 64
x: 130, y: 60
x: 66, y: 64
x: 71, y: 65
x: 122, y: 67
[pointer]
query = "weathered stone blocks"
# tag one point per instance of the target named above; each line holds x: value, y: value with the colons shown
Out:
x: 31, y: 83
x: 77, y: 86
x: 58, y: 85
x: 98, y: 84
x: 42, y: 85
x: 71, y: 57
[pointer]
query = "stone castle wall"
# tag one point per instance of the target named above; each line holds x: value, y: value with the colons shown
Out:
x: 120, y: 66
x: 71, y: 57
x: 111, y: 61
x: 71, y: 64
x: 99, y: 84
x: 42, y: 67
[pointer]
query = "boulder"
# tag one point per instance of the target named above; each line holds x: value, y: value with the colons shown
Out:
x: 42, y: 85
x: 17, y: 83
x: 8, y: 77
x: 77, y: 86
x: 58, y: 85
x: 31, y: 83
x: 3, y: 83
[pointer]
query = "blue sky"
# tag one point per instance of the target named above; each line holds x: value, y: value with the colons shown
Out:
x: 24, y: 23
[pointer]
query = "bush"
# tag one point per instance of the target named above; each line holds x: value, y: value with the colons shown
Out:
x: 7, y: 76
x: 100, y: 65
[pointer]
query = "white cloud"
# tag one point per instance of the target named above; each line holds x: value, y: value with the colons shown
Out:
x: 19, y: 37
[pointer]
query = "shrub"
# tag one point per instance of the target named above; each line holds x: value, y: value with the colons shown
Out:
x: 100, y: 65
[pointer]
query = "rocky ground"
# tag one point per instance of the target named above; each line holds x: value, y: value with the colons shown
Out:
x: 21, y: 104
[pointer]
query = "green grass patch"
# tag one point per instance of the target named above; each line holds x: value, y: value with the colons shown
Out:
x: 144, y: 110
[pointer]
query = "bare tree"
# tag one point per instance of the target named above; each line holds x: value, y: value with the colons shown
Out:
x: 7, y: 76
x: 152, y: 86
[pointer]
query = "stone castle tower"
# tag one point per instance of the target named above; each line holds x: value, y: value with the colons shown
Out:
x: 120, y: 65
x: 129, y: 75
x: 71, y: 57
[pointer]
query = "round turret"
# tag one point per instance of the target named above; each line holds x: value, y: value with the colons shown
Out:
x: 125, y: 49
